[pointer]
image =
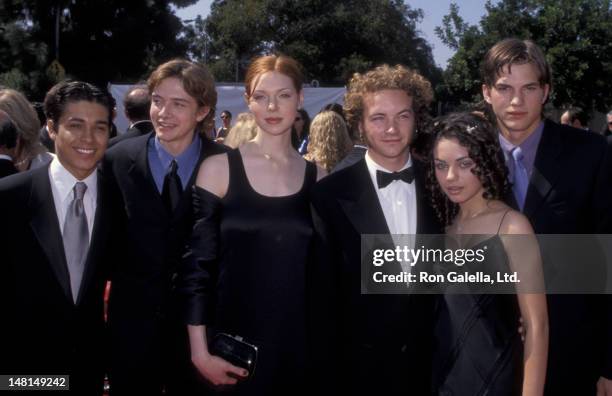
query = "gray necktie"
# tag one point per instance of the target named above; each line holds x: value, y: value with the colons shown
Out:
x: 76, y: 238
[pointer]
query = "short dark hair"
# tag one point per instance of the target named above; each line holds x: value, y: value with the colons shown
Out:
x: 579, y: 114
x: 513, y: 51
x: 137, y: 105
x: 227, y: 113
x: 8, y: 131
x: 74, y: 91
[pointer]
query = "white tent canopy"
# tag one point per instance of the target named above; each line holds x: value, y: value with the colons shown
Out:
x: 231, y: 97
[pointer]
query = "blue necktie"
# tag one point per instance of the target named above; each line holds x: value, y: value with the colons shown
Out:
x: 521, y: 177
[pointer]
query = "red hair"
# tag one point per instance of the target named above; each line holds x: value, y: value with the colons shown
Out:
x: 278, y: 63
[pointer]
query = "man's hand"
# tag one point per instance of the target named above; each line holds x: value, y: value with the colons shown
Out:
x: 604, y: 387
x: 218, y: 371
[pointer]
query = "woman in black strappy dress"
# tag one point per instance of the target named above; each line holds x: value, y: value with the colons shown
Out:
x: 244, y: 273
x: 479, y: 350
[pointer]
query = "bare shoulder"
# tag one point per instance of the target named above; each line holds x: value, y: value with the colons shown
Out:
x: 213, y: 174
x: 515, y: 223
x: 321, y: 173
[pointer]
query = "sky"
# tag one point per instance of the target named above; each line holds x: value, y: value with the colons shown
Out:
x: 434, y: 11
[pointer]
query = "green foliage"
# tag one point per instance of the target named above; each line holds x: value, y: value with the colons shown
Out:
x: 576, y: 37
x: 332, y: 40
x: 100, y: 41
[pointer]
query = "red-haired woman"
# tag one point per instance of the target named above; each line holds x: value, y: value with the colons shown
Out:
x: 244, y: 273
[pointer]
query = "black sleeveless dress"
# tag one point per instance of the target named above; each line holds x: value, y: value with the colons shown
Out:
x: 479, y: 350
x: 252, y: 274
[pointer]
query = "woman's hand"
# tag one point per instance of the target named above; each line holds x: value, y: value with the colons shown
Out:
x: 217, y: 370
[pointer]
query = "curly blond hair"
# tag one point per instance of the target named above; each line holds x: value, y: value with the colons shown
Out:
x: 329, y: 140
x: 244, y: 130
x: 387, y: 77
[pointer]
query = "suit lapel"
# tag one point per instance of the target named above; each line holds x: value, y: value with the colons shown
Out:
x: 46, y: 227
x: 361, y: 204
x: 141, y: 175
x: 545, y: 169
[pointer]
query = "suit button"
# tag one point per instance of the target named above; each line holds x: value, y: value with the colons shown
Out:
x: 404, y: 348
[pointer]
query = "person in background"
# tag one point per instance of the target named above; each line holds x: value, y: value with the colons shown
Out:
x: 31, y: 154
x: 226, y: 120
x: 8, y: 145
x: 608, y: 128
x: 335, y: 107
x: 243, y: 130
x: 300, y: 132
x: 137, y: 104
x: 576, y: 117
x: 329, y: 140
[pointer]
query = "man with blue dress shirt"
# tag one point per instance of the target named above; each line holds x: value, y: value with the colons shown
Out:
x: 151, y: 177
x: 561, y: 180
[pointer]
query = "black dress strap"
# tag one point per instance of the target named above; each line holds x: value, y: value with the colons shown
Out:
x: 237, y: 174
x: 502, y: 220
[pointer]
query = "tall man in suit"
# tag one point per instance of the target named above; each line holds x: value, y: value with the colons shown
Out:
x: 137, y: 103
x: 8, y: 145
x: 561, y: 182
x: 152, y: 177
x: 54, y: 244
x: 372, y: 344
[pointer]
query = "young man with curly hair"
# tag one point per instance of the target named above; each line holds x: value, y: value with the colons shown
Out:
x: 382, y: 342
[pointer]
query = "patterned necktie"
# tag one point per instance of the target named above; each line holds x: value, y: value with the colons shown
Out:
x: 76, y: 238
x: 172, y: 189
x: 383, y: 179
x: 521, y: 177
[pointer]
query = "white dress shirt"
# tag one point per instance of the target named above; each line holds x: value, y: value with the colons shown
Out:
x: 398, y: 199
x: 398, y: 202
x: 62, y: 183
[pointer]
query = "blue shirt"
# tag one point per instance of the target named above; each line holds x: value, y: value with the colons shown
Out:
x: 529, y: 147
x: 160, y: 159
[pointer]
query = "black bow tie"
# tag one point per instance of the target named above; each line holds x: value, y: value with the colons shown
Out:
x: 383, y: 179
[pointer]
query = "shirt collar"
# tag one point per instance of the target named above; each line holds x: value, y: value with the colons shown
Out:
x: 64, y: 181
x: 373, y: 167
x: 165, y: 157
x: 531, y: 141
x: 6, y: 157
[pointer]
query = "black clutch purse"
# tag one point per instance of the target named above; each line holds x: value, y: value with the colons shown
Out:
x: 235, y: 350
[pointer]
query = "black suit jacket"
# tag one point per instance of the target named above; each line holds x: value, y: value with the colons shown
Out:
x: 139, y: 129
x: 570, y: 193
x: 372, y: 344
x: 43, y: 330
x: 144, y: 326
x: 7, y: 167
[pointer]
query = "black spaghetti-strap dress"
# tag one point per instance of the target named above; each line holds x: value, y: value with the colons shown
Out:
x: 479, y: 350
x: 245, y: 275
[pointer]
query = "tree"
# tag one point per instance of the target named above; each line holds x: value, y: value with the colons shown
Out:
x: 576, y: 37
x: 332, y: 40
x: 99, y: 40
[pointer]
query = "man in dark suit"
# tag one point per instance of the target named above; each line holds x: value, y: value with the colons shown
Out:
x: 372, y: 344
x: 152, y: 177
x: 137, y: 102
x: 8, y: 144
x: 561, y: 182
x: 54, y: 244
